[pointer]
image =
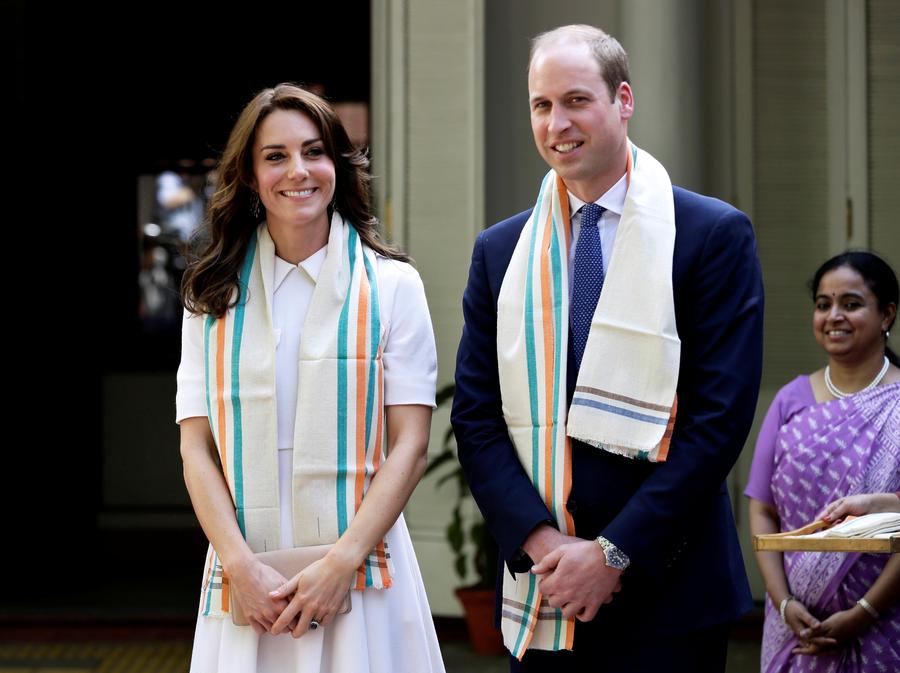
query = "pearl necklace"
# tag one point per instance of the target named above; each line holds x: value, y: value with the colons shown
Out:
x: 840, y: 393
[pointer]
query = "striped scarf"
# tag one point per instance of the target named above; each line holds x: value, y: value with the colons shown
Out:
x: 627, y: 408
x: 339, y: 423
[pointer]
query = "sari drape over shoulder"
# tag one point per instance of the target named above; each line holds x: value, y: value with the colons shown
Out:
x: 821, y: 453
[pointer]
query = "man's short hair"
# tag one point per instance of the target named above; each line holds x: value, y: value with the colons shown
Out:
x: 607, y: 51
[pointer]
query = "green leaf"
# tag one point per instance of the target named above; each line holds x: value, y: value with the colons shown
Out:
x: 462, y: 488
x: 477, y: 532
x: 448, y: 435
x: 455, y: 532
x: 461, y: 566
x: 445, y: 394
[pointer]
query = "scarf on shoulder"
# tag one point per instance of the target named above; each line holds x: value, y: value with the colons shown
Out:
x: 339, y: 423
x: 624, y: 399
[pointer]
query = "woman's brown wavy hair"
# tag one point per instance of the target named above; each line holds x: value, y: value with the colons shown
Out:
x: 211, y: 282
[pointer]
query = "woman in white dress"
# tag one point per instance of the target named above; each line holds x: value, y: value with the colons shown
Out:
x: 307, y: 346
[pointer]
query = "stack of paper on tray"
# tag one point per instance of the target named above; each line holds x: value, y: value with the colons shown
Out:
x: 880, y: 525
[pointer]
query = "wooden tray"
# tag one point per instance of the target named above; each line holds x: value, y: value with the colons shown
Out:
x: 784, y: 542
x: 793, y: 541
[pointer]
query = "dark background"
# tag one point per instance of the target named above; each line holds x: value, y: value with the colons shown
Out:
x: 101, y: 95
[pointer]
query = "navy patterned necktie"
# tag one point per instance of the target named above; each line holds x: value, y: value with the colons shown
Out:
x: 587, y: 277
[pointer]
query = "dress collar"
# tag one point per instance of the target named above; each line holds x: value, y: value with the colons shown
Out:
x: 311, y: 266
x: 612, y: 200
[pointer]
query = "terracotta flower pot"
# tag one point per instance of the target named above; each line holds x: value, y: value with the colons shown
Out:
x: 478, y: 605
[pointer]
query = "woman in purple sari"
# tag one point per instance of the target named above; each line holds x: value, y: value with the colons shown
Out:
x: 831, y: 434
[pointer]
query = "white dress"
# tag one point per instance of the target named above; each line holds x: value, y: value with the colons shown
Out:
x: 388, y: 630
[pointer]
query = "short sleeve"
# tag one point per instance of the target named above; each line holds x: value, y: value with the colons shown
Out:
x: 409, y: 354
x: 793, y: 397
x: 190, y: 398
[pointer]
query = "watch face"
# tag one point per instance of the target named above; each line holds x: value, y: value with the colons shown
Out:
x: 614, y: 557
x: 615, y: 561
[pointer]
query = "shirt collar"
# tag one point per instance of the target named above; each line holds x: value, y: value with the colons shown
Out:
x: 613, y: 200
x: 312, y: 265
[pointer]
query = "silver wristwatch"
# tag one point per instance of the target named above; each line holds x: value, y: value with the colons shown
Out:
x: 615, y: 557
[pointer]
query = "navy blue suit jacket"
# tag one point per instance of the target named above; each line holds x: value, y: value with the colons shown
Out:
x: 672, y: 519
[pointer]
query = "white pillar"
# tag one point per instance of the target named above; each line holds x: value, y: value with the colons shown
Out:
x: 663, y: 41
x: 428, y: 161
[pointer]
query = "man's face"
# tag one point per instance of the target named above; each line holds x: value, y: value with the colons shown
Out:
x: 578, y: 130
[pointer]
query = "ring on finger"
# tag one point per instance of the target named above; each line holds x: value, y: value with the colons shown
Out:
x: 313, y: 624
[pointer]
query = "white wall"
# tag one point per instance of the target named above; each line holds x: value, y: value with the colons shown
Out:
x: 428, y: 155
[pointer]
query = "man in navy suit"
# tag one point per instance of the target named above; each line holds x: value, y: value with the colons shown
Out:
x: 654, y: 575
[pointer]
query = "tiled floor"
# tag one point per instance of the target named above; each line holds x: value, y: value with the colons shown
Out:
x: 145, y: 657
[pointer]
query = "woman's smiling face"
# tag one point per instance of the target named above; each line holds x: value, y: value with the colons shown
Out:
x: 847, y: 320
x: 294, y: 176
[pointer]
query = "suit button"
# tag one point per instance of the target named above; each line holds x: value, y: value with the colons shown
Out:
x: 571, y: 506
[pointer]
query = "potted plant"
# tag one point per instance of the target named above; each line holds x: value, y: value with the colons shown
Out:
x: 478, y: 598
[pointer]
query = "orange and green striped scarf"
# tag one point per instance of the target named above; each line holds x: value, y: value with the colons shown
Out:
x: 624, y: 398
x: 532, y: 343
x: 338, y: 431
